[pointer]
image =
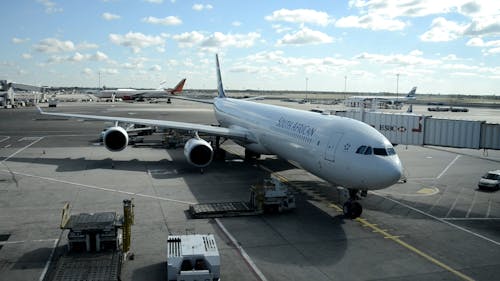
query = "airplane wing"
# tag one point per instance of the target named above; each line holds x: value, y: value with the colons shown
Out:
x: 231, y: 133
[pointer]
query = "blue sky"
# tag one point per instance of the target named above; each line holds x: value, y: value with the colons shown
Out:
x: 448, y: 47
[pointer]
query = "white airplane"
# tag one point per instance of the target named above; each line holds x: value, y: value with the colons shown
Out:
x: 359, y: 101
x: 342, y: 151
x: 131, y: 94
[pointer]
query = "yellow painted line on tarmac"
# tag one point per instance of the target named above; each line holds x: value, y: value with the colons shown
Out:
x: 397, y: 239
x: 426, y: 190
x: 376, y: 229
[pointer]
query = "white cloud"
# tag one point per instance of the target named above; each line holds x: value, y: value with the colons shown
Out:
x: 109, y: 16
x: 405, y: 8
x: 86, y: 45
x: 136, y: 40
x: 300, y: 16
x: 26, y: 56
x: 443, y: 30
x: 188, y: 39
x: 489, y: 47
x: 50, y: 7
x: 16, y: 40
x: 280, y: 29
x: 99, y: 56
x: 78, y: 57
x: 53, y: 45
x: 170, y: 20
x: 484, y: 26
x: 305, y: 36
x: 221, y: 40
x: 494, y: 51
x: 110, y: 71
x: 200, y: 7
x: 155, y: 67
x: 236, y: 23
x: 87, y: 71
x: 413, y: 58
x: 155, y: 1
x: 371, y: 21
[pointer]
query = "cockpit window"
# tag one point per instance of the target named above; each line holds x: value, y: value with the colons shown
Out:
x: 380, y: 151
x: 361, y: 149
x: 366, y: 150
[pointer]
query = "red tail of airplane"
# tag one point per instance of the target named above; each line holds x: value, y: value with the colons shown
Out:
x: 178, y: 88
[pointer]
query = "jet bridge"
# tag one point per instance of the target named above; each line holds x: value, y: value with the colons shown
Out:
x: 414, y: 129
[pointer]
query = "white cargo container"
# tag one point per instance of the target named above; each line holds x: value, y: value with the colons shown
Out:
x: 192, y: 257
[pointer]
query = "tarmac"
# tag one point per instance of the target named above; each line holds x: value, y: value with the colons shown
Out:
x: 435, y: 226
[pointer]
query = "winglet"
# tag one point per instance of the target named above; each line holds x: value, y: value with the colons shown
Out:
x: 39, y: 109
x: 220, y: 87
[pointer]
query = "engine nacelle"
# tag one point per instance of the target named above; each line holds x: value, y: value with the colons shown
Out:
x: 115, y: 139
x: 198, y: 152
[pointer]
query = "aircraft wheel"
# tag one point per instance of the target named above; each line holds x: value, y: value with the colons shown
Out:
x: 352, y: 209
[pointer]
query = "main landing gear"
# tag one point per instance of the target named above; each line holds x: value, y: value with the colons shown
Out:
x: 352, y: 208
x: 219, y: 153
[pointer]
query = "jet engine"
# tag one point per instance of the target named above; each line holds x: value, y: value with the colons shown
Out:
x: 198, y: 152
x: 115, y: 139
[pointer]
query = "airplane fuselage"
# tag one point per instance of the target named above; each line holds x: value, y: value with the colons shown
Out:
x: 325, y: 145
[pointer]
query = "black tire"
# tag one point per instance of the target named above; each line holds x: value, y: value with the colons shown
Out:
x: 352, y: 209
x: 356, y: 209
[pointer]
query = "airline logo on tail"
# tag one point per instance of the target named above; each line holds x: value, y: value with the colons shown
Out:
x: 412, y: 94
x: 178, y: 88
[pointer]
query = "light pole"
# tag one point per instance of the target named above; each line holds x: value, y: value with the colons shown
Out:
x: 345, y: 86
x: 397, y: 85
x: 307, y: 80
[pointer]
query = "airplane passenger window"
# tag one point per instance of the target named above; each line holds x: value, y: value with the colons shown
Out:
x: 368, y: 150
x: 380, y: 151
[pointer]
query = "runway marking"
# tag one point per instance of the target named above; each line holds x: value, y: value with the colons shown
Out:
x: 242, y: 251
x: 413, y: 249
x: 489, y: 208
x: 439, y: 219
x: 470, y: 219
x: 101, y: 188
x: 4, y: 139
x: 26, y: 241
x: 47, y: 264
x: 7, y: 146
x: 447, y: 167
x: 455, y: 202
x: 471, y: 205
x: 20, y: 150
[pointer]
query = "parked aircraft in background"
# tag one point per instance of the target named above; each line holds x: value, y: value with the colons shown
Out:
x: 134, y: 94
x: 342, y: 151
x: 381, y: 101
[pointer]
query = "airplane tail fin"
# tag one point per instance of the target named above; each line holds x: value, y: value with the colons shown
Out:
x: 178, y: 88
x: 412, y: 92
x: 220, y: 87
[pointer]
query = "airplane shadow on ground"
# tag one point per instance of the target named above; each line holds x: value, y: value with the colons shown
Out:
x: 162, y: 169
x: 298, y: 236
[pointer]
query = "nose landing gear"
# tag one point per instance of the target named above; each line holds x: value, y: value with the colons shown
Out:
x: 352, y: 208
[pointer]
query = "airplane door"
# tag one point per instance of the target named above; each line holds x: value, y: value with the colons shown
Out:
x: 332, y: 146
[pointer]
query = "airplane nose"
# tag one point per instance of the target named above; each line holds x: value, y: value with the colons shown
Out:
x: 390, y: 172
x: 394, y: 170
